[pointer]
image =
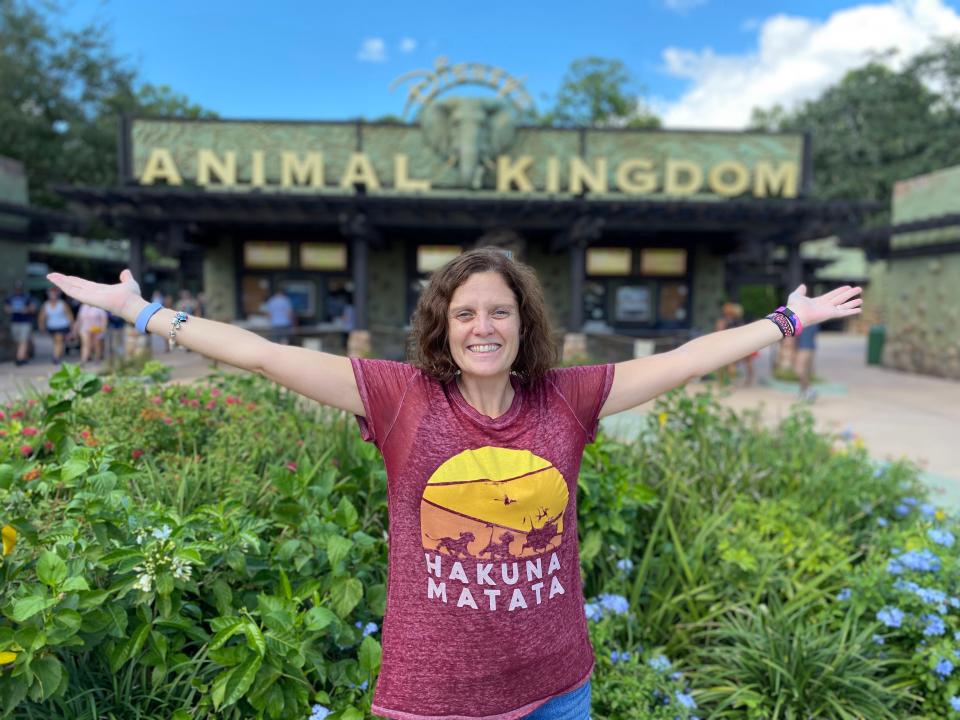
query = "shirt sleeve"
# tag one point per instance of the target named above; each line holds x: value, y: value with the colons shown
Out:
x: 584, y: 390
x: 382, y: 385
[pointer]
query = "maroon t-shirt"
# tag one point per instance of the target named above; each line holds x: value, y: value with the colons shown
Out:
x: 484, y: 614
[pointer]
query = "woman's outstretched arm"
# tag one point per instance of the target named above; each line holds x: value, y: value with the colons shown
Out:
x: 640, y: 380
x: 323, y: 377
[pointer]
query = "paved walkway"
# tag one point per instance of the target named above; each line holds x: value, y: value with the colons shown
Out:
x: 897, y: 414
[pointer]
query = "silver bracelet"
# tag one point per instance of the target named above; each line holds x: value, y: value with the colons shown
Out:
x: 179, y: 319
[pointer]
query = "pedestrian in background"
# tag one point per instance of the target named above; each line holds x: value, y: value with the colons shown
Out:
x: 56, y: 318
x: 806, y: 346
x: 91, y: 327
x: 20, y: 307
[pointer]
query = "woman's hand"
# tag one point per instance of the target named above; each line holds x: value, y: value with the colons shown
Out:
x: 112, y: 298
x: 839, y: 303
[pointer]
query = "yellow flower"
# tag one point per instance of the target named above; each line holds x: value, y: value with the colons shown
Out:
x: 9, y: 539
x: 940, y: 515
x: 858, y: 443
x: 7, y: 657
x: 662, y: 418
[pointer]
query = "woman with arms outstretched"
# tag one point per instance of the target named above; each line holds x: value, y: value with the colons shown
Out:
x: 482, y: 440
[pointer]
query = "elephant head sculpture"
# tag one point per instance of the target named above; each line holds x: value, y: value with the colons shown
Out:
x: 469, y: 133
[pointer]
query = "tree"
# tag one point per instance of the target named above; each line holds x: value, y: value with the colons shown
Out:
x: 61, y: 94
x: 878, y: 126
x: 597, y: 92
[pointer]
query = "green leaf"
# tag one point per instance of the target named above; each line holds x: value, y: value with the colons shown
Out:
x: 122, y: 554
x: 68, y: 618
x: 241, y: 680
x: 26, y: 608
x: 317, y: 618
x: 255, y: 639
x: 48, y: 672
x: 51, y: 569
x: 285, y: 585
x: 275, y: 612
x: 182, y: 715
x: 6, y: 476
x: 345, y: 593
x: 74, y: 584
x: 346, y: 514
x: 275, y: 702
x: 164, y: 583
x: 369, y: 655
x: 229, y: 627
x: 222, y: 596
x: 219, y: 688
x: 351, y: 713
x: 338, y: 548
x: 72, y: 469
x: 591, y: 546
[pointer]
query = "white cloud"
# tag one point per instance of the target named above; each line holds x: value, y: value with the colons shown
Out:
x: 798, y: 58
x: 407, y: 45
x: 683, y: 5
x: 372, y: 49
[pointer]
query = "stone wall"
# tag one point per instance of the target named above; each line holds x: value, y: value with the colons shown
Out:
x: 219, y: 280
x: 708, y: 283
x: 553, y: 271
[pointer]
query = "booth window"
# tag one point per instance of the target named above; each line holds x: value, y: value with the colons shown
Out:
x: 663, y: 262
x: 609, y: 261
x: 434, y: 257
x: 331, y: 257
x: 266, y: 255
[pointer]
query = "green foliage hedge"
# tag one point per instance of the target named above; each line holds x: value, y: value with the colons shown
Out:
x: 219, y: 550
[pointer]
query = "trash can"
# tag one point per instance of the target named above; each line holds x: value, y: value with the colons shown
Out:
x: 875, y: 340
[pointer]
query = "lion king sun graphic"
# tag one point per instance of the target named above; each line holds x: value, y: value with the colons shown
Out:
x: 493, y: 503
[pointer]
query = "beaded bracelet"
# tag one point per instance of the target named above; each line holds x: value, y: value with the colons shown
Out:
x: 176, y: 322
x: 792, y: 317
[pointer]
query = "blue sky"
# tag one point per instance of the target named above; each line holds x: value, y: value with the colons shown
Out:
x: 701, y: 61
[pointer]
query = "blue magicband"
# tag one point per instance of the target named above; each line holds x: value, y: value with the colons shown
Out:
x: 144, y: 317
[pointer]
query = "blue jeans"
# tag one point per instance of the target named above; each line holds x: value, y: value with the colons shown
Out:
x: 574, y: 705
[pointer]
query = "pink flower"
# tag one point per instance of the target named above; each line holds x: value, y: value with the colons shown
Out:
x: 3, y: 433
x: 48, y: 446
x: 107, y: 388
x: 136, y: 453
x: 17, y: 415
x: 26, y: 450
x: 232, y: 400
x: 215, y: 392
x: 156, y: 399
x: 29, y: 431
x: 194, y: 403
x: 292, y: 466
x: 3, y: 415
x: 31, y: 403
x: 168, y: 421
x: 84, y: 434
x: 211, y: 404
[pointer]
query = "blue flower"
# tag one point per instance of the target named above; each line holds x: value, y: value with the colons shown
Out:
x: 894, y: 567
x: 617, y: 604
x: 944, y: 668
x: 882, y: 522
x: 890, y: 616
x: 878, y: 639
x: 626, y: 565
x: 955, y: 703
x: 593, y: 611
x: 676, y: 675
x: 844, y: 594
x: 935, y: 625
x: 661, y: 663
x: 921, y: 561
x: 928, y: 510
x: 619, y: 656
x: 911, y: 501
x: 847, y: 433
x: 318, y: 712
x: 685, y: 699
x: 370, y: 628
x: 941, y: 537
x: 878, y: 472
x: 901, y: 509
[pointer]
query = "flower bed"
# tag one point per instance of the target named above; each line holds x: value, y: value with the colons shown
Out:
x: 219, y: 550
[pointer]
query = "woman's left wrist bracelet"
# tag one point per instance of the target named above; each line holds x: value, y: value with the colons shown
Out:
x: 144, y: 316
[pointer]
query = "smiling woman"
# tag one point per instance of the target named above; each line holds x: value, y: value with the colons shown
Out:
x: 482, y: 439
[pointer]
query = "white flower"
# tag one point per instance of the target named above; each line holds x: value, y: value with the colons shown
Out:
x: 162, y: 533
x: 144, y: 583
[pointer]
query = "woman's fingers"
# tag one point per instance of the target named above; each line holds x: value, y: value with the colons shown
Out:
x: 126, y: 275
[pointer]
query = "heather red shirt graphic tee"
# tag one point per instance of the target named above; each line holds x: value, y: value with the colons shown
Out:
x: 484, y: 613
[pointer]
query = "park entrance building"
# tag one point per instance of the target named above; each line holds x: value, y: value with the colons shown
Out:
x: 633, y: 232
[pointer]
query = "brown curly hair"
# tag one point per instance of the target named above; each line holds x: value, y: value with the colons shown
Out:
x: 430, y: 349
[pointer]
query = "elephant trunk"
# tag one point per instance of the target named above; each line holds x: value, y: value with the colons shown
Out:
x: 469, y: 152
